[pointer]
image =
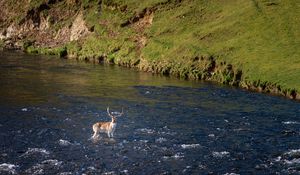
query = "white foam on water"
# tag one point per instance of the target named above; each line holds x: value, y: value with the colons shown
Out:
x: 240, y: 129
x: 231, y: 174
x: 292, y: 162
x: 35, y: 171
x: 65, y: 173
x: 64, y: 142
x: 44, y: 118
x: 291, y: 123
x: 24, y: 109
x: 143, y: 141
x: 278, y: 159
x: 247, y: 123
x: 137, y: 148
x: 4, y: 154
x: 52, y: 162
x: 121, y: 144
x: 211, y: 135
x: 8, y: 168
x: 189, y: 146
x: 220, y: 154
x: 91, y: 168
x: 125, y: 171
x: 290, y: 157
x: 160, y: 140
x: 146, y: 130
x: 39, y: 167
x: 176, y: 156
x: 202, y: 167
x: 125, y: 141
x: 261, y: 166
x: 32, y: 151
x: 186, y: 169
x: 293, y: 152
x: 67, y: 119
x: 109, y: 173
x: 167, y: 133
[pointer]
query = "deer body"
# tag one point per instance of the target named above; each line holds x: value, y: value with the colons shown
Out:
x: 106, y: 127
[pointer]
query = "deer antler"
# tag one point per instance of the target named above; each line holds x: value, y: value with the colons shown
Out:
x: 109, y: 112
x: 121, y: 113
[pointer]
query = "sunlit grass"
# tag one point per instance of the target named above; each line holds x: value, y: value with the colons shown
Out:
x: 262, y: 39
x: 259, y: 37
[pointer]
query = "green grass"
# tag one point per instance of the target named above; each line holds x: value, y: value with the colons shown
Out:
x: 132, y: 6
x: 259, y: 37
x: 59, y: 51
x: 261, y: 40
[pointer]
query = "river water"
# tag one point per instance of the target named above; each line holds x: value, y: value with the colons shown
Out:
x: 170, y: 126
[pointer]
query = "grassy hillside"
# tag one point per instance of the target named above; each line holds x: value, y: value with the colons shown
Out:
x: 249, y: 43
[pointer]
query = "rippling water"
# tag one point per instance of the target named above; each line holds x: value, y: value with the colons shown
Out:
x: 48, y: 106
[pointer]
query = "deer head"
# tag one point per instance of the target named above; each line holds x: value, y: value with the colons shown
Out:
x: 114, y: 115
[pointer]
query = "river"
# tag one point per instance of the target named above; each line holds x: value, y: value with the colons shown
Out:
x: 48, y: 106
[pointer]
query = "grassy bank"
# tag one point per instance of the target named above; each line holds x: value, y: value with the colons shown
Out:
x: 252, y: 44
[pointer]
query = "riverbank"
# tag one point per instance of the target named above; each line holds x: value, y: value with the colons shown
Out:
x: 253, y: 45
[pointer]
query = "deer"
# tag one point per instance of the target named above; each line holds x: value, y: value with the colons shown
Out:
x: 107, y: 127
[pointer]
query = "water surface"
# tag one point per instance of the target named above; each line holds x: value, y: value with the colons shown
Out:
x: 170, y: 126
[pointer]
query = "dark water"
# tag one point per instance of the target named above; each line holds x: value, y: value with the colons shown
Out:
x: 170, y: 126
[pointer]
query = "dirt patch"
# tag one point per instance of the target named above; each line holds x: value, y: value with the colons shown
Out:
x: 140, y: 23
x: 139, y: 27
x: 143, y: 23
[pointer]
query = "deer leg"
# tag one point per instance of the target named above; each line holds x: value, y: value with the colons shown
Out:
x: 95, y: 134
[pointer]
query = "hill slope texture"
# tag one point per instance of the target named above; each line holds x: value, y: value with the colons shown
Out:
x: 253, y: 44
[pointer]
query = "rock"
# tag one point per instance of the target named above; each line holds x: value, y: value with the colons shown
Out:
x: 11, y: 31
x: 2, y: 35
x: 297, y: 96
x: 79, y: 28
x: 44, y: 23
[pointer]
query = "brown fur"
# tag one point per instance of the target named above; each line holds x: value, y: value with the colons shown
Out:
x: 106, y: 127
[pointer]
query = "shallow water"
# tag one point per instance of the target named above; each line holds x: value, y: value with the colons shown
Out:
x: 170, y: 126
